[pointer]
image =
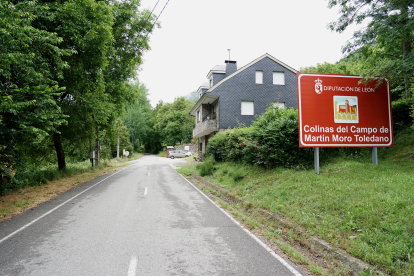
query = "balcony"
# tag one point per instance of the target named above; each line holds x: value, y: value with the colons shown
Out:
x: 207, y: 125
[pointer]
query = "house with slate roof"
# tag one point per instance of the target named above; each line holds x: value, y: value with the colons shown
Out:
x: 232, y: 96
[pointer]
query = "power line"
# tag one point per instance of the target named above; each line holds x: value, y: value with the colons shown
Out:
x: 139, y: 47
x: 146, y: 21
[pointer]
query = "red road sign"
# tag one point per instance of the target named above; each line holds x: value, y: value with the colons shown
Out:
x: 337, y: 111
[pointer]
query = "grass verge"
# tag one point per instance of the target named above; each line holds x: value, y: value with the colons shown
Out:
x: 23, y: 199
x: 364, y: 209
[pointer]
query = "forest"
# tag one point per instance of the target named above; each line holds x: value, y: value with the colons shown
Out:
x: 69, y: 86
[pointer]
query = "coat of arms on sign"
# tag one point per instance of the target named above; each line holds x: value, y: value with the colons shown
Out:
x: 318, y: 86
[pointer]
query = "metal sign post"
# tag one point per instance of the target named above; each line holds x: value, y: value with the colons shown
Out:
x: 316, y: 159
x: 375, y: 156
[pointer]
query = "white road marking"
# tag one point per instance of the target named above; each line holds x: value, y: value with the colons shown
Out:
x: 276, y: 256
x: 146, y: 190
x: 132, y: 266
x: 54, y: 209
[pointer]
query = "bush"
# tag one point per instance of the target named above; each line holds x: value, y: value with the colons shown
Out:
x: 402, y: 114
x: 229, y: 145
x: 277, y: 133
x: 207, y: 167
x: 105, y: 152
x: 272, y: 140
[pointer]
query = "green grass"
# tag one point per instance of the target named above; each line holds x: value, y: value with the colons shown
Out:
x: 162, y: 154
x: 21, y: 203
x: 37, y: 176
x: 365, y: 209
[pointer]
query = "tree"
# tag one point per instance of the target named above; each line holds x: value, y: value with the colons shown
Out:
x: 130, y: 29
x: 192, y: 97
x: 86, y: 27
x: 386, y: 42
x: 31, y: 62
x: 173, y: 121
x: 120, y: 133
x: 109, y: 40
x: 341, y: 67
x: 355, y: 64
x: 137, y: 117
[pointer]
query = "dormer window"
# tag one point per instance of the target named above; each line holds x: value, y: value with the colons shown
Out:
x: 199, y: 94
x: 211, y: 82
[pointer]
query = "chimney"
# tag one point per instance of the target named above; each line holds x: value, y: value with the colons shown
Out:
x: 231, y: 67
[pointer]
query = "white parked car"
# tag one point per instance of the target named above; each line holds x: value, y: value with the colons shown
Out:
x: 176, y: 153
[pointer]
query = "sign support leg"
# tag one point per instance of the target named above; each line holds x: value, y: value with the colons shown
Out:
x: 375, y: 156
x: 316, y: 159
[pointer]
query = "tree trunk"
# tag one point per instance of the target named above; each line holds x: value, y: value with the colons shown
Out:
x: 407, y: 40
x: 407, y: 87
x: 97, y: 153
x: 407, y: 82
x: 117, y: 149
x: 60, y: 153
x: 90, y: 151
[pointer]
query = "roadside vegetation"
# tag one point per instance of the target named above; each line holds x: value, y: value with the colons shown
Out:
x: 364, y: 209
x: 68, y: 70
x: 69, y: 86
x: 63, y: 95
x: 44, y: 183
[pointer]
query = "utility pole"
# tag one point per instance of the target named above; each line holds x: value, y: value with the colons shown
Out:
x: 117, y: 147
x: 98, y: 147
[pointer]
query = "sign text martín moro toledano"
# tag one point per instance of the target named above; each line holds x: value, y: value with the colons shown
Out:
x: 339, y: 111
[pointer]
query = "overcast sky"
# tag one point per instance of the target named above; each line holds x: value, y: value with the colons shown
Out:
x: 195, y: 35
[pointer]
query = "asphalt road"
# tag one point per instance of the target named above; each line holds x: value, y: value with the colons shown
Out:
x: 144, y: 219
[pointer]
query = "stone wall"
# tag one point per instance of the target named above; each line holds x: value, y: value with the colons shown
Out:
x: 193, y: 148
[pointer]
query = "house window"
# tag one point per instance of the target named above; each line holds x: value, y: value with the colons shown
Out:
x: 259, y: 77
x: 247, y: 108
x: 279, y: 78
x: 211, y: 82
x: 199, y: 94
x: 198, y: 116
x: 279, y: 105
